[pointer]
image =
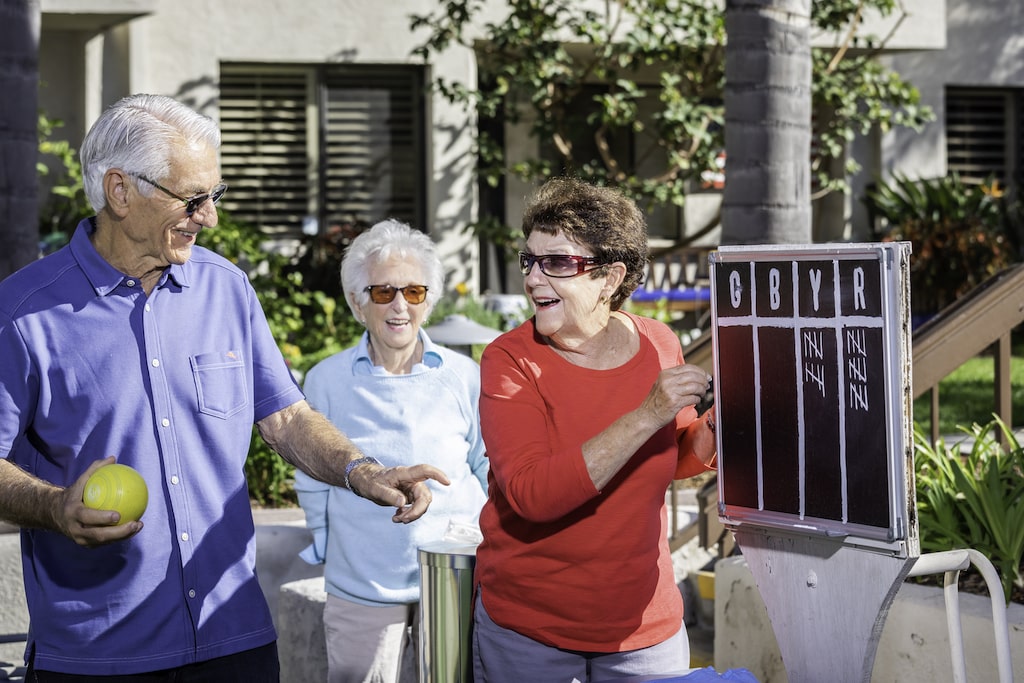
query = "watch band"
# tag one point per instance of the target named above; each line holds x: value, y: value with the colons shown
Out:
x: 367, y: 460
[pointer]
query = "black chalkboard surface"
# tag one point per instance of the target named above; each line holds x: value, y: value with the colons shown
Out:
x: 812, y: 352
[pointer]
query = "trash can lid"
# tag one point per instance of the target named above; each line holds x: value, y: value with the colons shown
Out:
x: 447, y: 554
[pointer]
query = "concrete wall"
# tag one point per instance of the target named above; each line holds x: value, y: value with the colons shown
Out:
x: 914, y: 646
x: 92, y: 53
x: 177, y: 50
x: 985, y: 40
x: 300, y: 635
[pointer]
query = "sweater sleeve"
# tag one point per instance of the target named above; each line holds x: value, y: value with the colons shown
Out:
x: 539, y: 485
x: 313, y: 494
x: 313, y: 497
x: 477, y: 458
x: 671, y: 354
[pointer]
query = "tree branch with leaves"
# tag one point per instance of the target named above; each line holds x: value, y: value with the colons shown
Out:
x: 631, y: 94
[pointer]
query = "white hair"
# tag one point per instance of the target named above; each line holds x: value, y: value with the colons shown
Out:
x: 138, y: 134
x: 382, y: 241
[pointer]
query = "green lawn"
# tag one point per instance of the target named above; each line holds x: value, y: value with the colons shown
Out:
x: 967, y: 395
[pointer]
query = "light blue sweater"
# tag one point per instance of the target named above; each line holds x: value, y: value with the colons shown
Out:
x: 428, y: 416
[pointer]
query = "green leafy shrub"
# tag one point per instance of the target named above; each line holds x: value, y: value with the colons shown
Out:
x: 960, y: 233
x: 630, y: 93
x: 66, y: 204
x: 461, y: 303
x: 308, y: 324
x: 974, y: 500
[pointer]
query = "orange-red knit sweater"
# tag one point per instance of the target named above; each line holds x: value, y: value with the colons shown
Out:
x: 561, y: 562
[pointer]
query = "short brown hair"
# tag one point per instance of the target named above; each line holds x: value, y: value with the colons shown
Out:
x: 603, y: 219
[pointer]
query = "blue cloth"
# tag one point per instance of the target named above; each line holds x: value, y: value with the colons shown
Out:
x: 708, y: 675
x: 705, y: 675
x: 427, y: 416
x: 171, y: 385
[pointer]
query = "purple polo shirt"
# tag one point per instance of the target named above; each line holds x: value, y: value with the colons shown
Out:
x: 171, y: 385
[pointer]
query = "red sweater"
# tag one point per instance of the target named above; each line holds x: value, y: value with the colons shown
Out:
x: 561, y: 562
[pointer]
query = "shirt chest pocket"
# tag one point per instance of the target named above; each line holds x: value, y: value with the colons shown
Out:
x: 220, y: 382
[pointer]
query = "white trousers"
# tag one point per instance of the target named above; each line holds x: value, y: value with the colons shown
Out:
x: 371, y: 644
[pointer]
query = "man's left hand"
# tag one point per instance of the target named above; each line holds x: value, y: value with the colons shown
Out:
x: 405, y: 488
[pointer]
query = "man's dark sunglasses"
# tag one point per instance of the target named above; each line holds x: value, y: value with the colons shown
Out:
x: 385, y: 294
x: 192, y: 204
x: 557, y: 265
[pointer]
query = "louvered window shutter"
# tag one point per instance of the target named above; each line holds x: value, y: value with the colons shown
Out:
x: 265, y: 150
x: 323, y: 145
x: 979, y: 140
x: 374, y: 165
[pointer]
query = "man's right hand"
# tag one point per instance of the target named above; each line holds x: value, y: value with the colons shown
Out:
x: 86, y: 526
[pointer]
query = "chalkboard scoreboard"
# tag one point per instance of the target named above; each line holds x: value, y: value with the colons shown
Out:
x: 812, y: 383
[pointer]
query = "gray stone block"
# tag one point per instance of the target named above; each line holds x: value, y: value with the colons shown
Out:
x: 300, y: 631
x: 13, y: 610
x: 277, y: 558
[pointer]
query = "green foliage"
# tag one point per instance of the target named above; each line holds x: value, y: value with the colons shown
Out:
x: 533, y: 77
x: 974, y: 500
x: 66, y: 205
x: 852, y: 91
x: 308, y: 324
x: 658, y: 309
x: 470, y: 306
x: 462, y: 303
x: 961, y: 234
x: 270, y: 478
x: 856, y: 94
x: 632, y: 95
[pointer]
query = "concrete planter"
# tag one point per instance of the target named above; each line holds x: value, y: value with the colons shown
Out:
x: 914, y: 647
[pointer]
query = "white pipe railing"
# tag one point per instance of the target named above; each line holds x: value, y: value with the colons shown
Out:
x: 950, y: 563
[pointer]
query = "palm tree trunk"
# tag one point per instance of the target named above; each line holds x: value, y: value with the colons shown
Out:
x: 19, y: 140
x: 767, y: 122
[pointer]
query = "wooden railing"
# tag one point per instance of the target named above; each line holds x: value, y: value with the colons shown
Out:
x: 983, y: 319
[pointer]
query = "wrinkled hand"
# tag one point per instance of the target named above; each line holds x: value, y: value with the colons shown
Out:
x: 704, y: 441
x: 88, y: 527
x: 404, y: 488
x: 674, y: 389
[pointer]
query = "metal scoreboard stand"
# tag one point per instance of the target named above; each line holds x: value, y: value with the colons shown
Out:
x: 812, y: 349
x: 812, y: 364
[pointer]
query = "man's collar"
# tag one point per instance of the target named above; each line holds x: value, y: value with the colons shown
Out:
x: 103, y: 277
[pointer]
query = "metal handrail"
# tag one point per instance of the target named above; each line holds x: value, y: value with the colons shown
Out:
x: 950, y: 563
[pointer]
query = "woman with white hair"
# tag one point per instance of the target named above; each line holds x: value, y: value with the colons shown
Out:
x: 402, y: 400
